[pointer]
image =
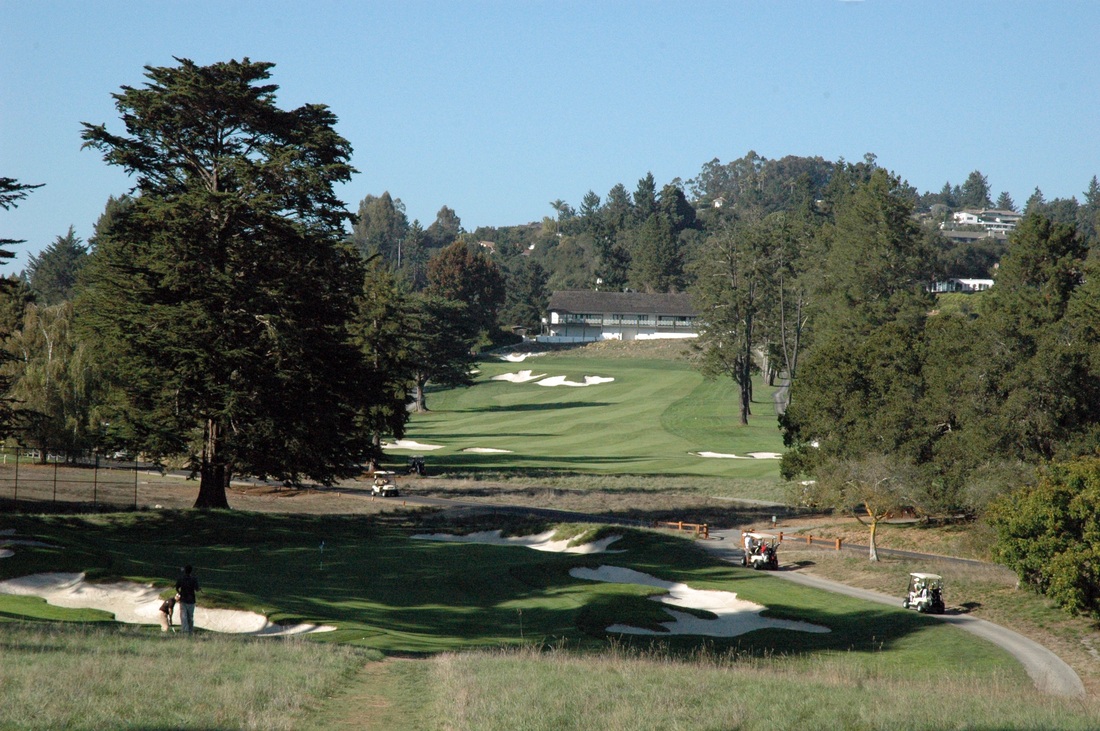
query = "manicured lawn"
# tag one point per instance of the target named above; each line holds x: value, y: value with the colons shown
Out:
x: 649, y: 420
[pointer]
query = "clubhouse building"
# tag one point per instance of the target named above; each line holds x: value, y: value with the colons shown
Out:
x: 586, y: 316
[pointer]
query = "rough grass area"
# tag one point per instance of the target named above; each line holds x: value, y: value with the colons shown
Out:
x: 621, y: 691
x: 81, y: 677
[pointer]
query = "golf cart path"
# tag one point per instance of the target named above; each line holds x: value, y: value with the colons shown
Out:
x: 1048, y: 671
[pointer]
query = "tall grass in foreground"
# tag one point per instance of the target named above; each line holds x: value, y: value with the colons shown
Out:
x: 619, y: 691
x: 77, y: 677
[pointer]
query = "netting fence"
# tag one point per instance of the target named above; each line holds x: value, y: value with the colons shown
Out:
x: 29, y: 478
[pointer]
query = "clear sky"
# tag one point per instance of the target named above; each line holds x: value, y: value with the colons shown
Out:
x: 497, y: 108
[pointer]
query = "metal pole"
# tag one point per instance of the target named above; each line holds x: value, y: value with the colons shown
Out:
x: 16, y: 498
x: 55, y: 481
x: 95, y: 480
x: 135, y: 483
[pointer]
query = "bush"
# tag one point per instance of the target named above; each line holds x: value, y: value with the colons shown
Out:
x: 1049, y: 534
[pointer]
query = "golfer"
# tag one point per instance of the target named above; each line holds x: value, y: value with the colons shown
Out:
x: 186, y: 586
x: 166, y: 610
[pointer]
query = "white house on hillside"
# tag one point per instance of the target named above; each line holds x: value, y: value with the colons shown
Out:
x: 583, y: 316
x: 991, y: 219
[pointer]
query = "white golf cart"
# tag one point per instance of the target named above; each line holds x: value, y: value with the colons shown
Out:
x: 383, y: 485
x: 925, y: 593
x: 761, y: 551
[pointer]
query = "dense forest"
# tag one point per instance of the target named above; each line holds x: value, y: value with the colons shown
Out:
x: 231, y: 313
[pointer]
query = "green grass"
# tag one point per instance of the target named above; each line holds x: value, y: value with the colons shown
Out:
x: 391, y: 594
x: 387, y: 591
x: 647, y: 421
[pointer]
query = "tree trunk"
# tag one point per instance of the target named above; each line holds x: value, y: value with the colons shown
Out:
x: 873, y: 549
x: 420, y: 403
x: 214, y: 474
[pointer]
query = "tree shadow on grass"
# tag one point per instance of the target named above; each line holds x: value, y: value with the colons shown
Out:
x: 549, y: 406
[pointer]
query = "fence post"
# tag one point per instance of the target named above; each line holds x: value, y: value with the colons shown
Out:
x: 809, y: 540
x: 135, y: 482
x: 15, y: 498
x: 55, y: 480
x: 95, y: 481
x: 780, y: 536
x: 838, y: 544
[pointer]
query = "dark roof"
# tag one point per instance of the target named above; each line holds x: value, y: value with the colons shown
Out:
x: 634, y: 303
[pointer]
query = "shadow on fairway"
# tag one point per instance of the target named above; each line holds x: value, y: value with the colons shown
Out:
x: 549, y: 406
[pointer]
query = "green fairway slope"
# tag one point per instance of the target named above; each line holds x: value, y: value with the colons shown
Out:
x: 385, y: 590
x: 650, y: 419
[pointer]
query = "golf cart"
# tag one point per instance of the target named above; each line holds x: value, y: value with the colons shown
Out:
x: 383, y: 484
x: 761, y: 551
x: 925, y: 593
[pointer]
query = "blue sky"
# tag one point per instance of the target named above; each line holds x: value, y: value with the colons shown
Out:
x: 497, y: 108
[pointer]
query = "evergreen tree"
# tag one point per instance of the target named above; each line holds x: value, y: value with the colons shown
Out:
x: 223, y: 293
x: 1005, y: 202
x: 381, y: 330
x: 441, y: 344
x: 975, y: 191
x: 526, y: 297
x: 655, y: 262
x: 52, y: 274
x: 645, y: 199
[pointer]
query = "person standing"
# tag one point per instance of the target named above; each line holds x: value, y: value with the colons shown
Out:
x: 186, y: 586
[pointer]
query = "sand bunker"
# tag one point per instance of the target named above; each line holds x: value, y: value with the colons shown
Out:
x: 562, y: 381
x: 518, y: 377
x: 410, y: 444
x: 543, y: 380
x: 539, y: 542
x: 519, y: 357
x: 750, y: 455
x: 733, y: 616
x: 487, y: 450
x: 140, y: 604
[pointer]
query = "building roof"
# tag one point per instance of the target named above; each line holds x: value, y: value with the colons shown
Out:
x: 635, y: 303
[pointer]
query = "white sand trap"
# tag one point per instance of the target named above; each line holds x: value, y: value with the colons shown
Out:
x: 134, y: 603
x: 518, y: 377
x: 539, y: 542
x: 410, y: 444
x: 733, y: 616
x: 563, y: 381
x: 765, y: 455
x: 519, y: 357
x: 487, y: 450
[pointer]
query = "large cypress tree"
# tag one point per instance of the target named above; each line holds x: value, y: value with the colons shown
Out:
x: 223, y: 293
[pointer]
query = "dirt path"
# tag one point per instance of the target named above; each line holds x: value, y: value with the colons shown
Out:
x: 1048, y: 671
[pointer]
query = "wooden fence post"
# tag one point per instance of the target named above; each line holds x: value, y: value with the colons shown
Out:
x: 838, y: 544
